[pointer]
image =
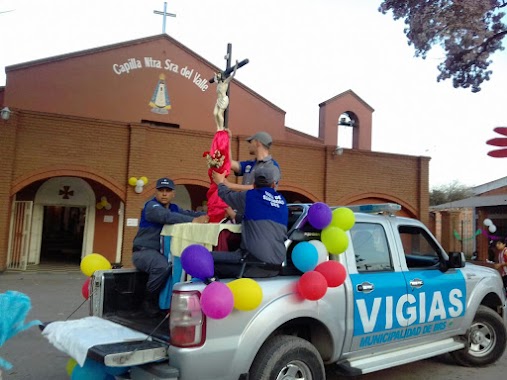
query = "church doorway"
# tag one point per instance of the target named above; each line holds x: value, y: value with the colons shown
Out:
x: 63, y: 222
x: 62, y: 234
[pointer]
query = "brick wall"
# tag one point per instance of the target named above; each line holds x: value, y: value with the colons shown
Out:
x: 37, y: 146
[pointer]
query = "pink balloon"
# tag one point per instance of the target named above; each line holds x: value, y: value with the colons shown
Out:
x: 333, y: 271
x: 85, y: 289
x: 217, y: 300
x: 312, y: 286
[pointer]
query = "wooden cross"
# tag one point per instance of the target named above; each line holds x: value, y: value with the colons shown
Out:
x: 164, y: 15
x: 226, y: 73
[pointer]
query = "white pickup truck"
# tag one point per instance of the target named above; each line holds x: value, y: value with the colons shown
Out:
x: 404, y: 299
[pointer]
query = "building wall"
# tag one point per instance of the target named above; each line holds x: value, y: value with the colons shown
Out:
x: 107, y: 154
x: 91, y: 84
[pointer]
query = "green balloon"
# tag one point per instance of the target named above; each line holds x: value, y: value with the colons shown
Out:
x: 71, y: 363
x: 343, y: 218
x: 335, y: 239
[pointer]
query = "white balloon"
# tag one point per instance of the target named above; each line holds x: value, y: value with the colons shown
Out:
x: 487, y: 222
x: 321, y: 250
x: 108, y: 206
x: 492, y: 228
x: 138, y: 189
x: 140, y: 183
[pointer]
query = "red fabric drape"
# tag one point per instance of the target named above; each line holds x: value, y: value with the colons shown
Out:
x: 219, y: 147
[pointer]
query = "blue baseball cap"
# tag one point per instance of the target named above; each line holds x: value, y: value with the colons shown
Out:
x: 165, y: 183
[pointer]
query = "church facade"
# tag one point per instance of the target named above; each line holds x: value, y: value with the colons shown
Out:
x: 83, y: 127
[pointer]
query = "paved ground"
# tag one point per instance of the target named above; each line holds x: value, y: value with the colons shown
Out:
x: 56, y: 295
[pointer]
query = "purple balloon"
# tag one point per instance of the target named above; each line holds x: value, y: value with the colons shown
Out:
x: 217, y: 300
x: 320, y: 215
x: 197, y: 261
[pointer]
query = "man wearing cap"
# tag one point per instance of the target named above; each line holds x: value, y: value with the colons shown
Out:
x: 263, y: 227
x: 147, y: 256
x: 259, y: 146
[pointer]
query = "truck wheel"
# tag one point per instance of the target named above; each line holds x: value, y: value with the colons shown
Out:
x: 287, y: 357
x: 486, y: 340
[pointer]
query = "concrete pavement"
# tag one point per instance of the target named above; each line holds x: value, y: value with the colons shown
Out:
x: 54, y: 296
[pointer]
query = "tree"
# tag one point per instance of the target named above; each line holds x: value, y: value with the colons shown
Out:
x: 469, y: 32
x: 451, y: 192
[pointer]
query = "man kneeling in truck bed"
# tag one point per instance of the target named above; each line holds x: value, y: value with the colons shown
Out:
x: 263, y: 231
x: 147, y: 255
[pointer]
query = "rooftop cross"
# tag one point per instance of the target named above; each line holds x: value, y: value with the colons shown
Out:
x: 164, y: 15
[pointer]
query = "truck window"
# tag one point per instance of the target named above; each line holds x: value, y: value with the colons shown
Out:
x: 420, y: 249
x: 370, y: 247
x: 295, y: 212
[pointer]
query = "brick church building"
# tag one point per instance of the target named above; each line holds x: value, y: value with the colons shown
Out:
x: 82, y: 124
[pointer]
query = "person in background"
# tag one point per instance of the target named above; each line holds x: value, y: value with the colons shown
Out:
x: 259, y: 146
x: 263, y: 227
x: 147, y: 253
x: 501, y: 265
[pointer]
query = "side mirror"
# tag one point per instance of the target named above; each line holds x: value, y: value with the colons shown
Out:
x: 456, y: 260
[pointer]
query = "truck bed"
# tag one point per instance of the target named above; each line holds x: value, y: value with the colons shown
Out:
x: 122, y: 292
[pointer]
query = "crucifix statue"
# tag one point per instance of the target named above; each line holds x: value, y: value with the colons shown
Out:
x: 222, y: 80
x: 218, y: 157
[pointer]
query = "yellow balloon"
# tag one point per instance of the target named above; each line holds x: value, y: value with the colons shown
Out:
x: 70, y: 366
x: 247, y: 294
x: 132, y: 181
x: 335, y: 239
x: 93, y: 262
x: 99, y: 206
x: 144, y: 179
x: 343, y: 218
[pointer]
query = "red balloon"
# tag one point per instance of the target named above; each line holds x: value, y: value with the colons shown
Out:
x: 85, y: 289
x: 312, y: 285
x: 333, y: 271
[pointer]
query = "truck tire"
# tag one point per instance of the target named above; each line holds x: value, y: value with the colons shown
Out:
x: 486, y: 339
x: 287, y: 357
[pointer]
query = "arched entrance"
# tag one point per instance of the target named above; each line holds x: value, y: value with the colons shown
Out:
x: 63, y: 221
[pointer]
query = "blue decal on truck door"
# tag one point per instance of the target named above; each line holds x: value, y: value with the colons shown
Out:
x: 394, y: 309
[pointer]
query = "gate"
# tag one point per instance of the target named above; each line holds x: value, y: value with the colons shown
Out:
x: 19, y: 236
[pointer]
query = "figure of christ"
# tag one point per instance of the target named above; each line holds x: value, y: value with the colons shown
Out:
x: 222, y: 97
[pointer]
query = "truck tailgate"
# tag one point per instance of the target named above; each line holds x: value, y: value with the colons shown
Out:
x: 125, y: 354
x: 104, y: 341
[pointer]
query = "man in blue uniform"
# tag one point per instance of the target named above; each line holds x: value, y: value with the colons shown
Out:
x: 148, y: 256
x: 263, y: 228
x: 259, y: 146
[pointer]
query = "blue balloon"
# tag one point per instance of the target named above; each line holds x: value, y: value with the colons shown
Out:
x: 116, y: 371
x: 305, y: 256
x: 197, y: 261
x: 90, y: 370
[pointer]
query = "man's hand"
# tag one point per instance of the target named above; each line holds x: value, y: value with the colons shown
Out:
x: 201, y: 219
x: 218, y: 178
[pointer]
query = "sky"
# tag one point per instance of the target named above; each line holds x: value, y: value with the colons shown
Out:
x: 301, y: 54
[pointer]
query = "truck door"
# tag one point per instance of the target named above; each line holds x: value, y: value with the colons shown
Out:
x: 378, y: 287
x: 436, y: 300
